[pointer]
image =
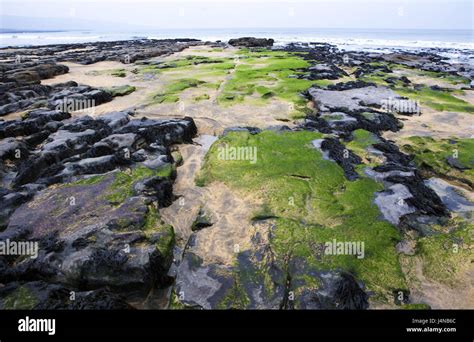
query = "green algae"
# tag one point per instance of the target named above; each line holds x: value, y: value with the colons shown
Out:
x: 96, y: 179
x: 441, y: 100
x: 444, y: 76
x: 446, y: 256
x: 172, y: 90
x: 266, y: 74
x: 312, y: 203
x: 119, y: 73
x: 415, y: 306
x: 202, y: 97
x: 432, y: 155
x: 153, y: 226
x: 122, y: 186
x: 20, y: 299
x: 361, y: 141
x: 121, y: 90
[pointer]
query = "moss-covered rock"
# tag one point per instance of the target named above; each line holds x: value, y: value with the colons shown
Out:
x: 121, y: 90
x: 445, y: 158
x: 21, y: 299
x: 313, y: 203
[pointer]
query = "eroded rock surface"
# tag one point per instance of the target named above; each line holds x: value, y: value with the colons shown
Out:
x: 98, y: 229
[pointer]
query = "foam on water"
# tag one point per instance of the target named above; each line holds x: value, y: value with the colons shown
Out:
x: 456, y: 45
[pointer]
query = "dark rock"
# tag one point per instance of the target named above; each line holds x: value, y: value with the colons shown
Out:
x: 250, y: 130
x: 35, y: 122
x: 251, y: 42
x: 202, y: 221
x: 13, y: 149
x: 424, y: 198
x: 44, y: 296
x: 9, y: 202
x: 324, y: 72
x: 344, y: 157
x: 158, y: 188
x: 338, y: 291
x: 454, y: 162
x: 163, y: 132
x: 393, y: 153
x: 350, y: 85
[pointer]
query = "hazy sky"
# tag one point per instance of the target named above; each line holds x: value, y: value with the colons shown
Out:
x: 434, y: 14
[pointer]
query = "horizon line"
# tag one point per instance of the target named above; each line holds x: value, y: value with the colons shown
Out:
x: 245, y: 28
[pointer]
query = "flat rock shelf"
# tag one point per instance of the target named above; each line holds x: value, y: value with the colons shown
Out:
x: 181, y: 174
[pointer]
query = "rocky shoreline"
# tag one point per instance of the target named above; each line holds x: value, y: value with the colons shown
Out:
x: 96, y: 192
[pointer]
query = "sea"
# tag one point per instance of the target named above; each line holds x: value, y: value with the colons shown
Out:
x: 457, y: 45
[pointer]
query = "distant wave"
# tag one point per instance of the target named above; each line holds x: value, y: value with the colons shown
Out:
x: 344, y: 39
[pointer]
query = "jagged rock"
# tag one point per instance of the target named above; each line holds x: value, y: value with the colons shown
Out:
x: 338, y: 291
x: 344, y: 157
x: 324, y: 72
x: 60, y: 145
x: 380, y: 173
x: 10, y: 201
x: 340, y: 86
x: 163, y: 132
x: 393, y: 80
x: 202, y: 221
x: 86, y: 146
x: 31, y: 74
x: 251, y: 42
x: 116, y: 119
x: 113, y: 250
x: 348, y: 294
x: 39, y: 295
x: 202, y: 286
x: 91, y: 235
x: 36, y: 121
x: 158, y: 188
x: 66, y: 97
x: 371, y: 68
x: 392, y: 153
x: 12, y: 149
x: 423, y: 198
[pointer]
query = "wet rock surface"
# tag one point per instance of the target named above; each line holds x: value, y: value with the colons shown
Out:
x: 342, y: 108
x: 97, y: 229
x: 251, y: 42
x: 39, y: 295
x: 127, y: 51
x: 66, y: 97
x: 260, y: 279
x: 21, y: 74
x: 89, y: 190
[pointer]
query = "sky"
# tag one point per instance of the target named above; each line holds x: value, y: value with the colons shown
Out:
x: 169, y: 14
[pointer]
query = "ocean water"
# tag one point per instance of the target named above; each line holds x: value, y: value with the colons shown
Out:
x: 455, y: 43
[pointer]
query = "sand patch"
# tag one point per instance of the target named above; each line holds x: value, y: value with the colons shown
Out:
x: 417, y: 78
x: 210, y: 116
x: 229, y: 212
x: 437, y: 295
x: 94, y: 75
x: 435, y: 124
